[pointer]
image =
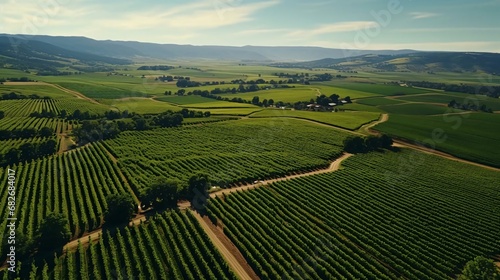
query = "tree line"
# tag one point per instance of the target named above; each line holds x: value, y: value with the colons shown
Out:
x: 25, y: 133
x: 358, y: 144
x: 15, y: 96
x: 469, y: 106
x: 491, y: 91
x: 28, y: 152
x: 111, y: 126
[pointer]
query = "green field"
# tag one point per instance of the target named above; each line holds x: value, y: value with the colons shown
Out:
x: 418, y: 109
x: 350, y: 120
x: 470, y: 136
x: 74, y: 183
x: 462, y: 98
x: 221, y: 104
x: 385, y: 215
x: 171, y: 246
x: 40, y: 90
x: 231, y: 151
x: 292, y: 95
x: 98, y: 91
x: 230, y: 111
x: 141, y: 105
x: 184, y: 100
x: 378, y: 89
x: 378, y: 101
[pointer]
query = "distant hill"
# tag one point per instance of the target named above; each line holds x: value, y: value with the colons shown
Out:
x: 420, y: 62
x: 23, y: 54
x: 130, y: 50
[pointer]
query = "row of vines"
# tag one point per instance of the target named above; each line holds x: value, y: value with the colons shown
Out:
x: 168, y: 246
x: 384, y: 216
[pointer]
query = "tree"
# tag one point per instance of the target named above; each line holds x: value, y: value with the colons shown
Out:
x: 480, y: 268
x: 255, y: 100
x: 53, y: 232
x: 354, y: 145
x: 386, y: 141
x: 46, y: 132
x: 198, y: 184
x: 28, y: 152
x: 270, y: 102
x: 161, y: 193
x: 63, y: 114
x: 120, y: 208
x: 207, y: 114
x: 372, y: 143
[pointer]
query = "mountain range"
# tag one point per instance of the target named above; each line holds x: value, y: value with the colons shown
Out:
x: 51, y: 53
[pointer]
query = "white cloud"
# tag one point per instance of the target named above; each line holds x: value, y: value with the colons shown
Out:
x: 262, y: 31
x: 195, y: 16
x: 346, y: 26
x: 422, y: 15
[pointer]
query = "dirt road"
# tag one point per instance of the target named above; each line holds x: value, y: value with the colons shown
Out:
x: 243, y: 270
x: 94, y: 235
x: 334, y: 166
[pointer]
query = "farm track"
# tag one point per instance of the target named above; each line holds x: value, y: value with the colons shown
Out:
x: 334, y: 166
x: 229, y: 251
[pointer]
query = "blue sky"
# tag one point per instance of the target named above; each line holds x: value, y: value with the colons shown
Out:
x: 456, y: 25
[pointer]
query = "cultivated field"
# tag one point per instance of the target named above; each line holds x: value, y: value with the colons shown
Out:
x: 385, y: 215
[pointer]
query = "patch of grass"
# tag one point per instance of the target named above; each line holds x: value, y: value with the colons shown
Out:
x: 101, y: 91
x: 472, y: 136
x: 292, y: 95
x: 230, y: 111
x: 221, y: 104
x: 40, y: 90
x: 378, y: 101
x: 350, y: 120
x: 445, y: 98
x: 141, y: 105
x: 418, y: 109
x: 184, y: 100
x: 379, y: 89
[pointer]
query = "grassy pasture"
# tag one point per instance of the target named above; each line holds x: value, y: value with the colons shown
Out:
x: 231, y: 111
x: 141, y: 105
x: 100, y: 91
x: 292, y: 95
x: 377, y: 101
x: 378, y: 89
x: 349, y: 120
x: 221, y: 104
x: 184, y: 100
x: 493, y: 103
x: 418, y: 109
x: 472, y: 136
x: 40, y: 90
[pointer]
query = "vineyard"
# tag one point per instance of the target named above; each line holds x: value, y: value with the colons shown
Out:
x: 230, y: 151
x: 6, y: 145
x: 58, y: 125
x: 75, y: 183
x: 24, y: 107
x: 169, y: 246
x: 384, y: 216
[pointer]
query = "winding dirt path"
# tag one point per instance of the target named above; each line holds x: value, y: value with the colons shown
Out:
x: 367, y: 128
x: 334, y: 166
